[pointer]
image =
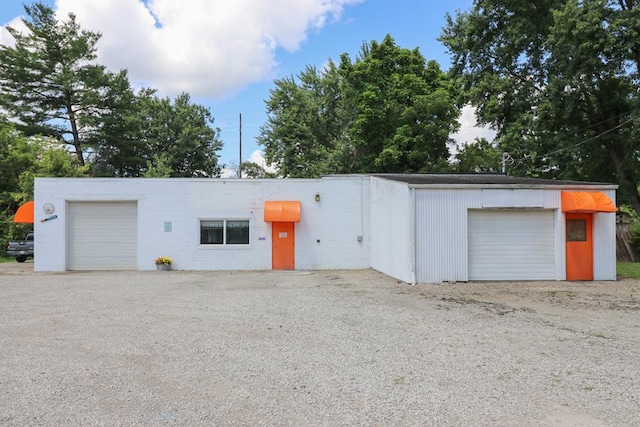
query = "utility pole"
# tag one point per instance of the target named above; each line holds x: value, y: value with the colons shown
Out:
x: 240, y: 162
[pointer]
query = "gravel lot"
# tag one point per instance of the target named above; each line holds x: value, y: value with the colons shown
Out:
x: 314, y: 348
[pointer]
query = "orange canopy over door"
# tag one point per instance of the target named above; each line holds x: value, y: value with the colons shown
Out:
x: 24, y: 213
x: 584, y: 201
x: 282, y: 211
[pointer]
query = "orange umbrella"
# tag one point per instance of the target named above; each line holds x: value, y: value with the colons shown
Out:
x: 24, y: 213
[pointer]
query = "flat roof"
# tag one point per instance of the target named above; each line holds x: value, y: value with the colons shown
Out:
x: 481, y: 179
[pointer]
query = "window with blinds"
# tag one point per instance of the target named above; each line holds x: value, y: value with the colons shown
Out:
x: 224, y: 232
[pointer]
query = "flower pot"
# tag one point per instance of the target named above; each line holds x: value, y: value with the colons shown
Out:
x: 163, y: 267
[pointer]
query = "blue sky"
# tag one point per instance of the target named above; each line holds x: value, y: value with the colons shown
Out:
x: 227, y: 54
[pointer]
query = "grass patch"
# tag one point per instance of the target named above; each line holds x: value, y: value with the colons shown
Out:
x: 629, y: 270
x: 7, y: 259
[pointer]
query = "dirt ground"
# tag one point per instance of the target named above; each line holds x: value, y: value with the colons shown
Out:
x: 314, y: 348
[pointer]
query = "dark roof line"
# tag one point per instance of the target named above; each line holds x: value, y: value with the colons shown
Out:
x: 479, y: 179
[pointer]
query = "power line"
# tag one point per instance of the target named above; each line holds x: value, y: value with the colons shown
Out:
x: 593, y: 138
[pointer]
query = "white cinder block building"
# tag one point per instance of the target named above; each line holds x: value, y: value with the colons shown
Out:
x: 416, y: 228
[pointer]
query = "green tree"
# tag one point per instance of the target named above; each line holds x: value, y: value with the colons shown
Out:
x: 17, y: 155
x: 158, y: 167
x: 50, y: 85
x: 387, y: 111
x: 405, y: 110
x: 173, y: 138
x: 305, y: 128
x: 21, y: 160
x: 50, y: 160
x: 185, y: 132
x: 254, y: 170
x: 558, y: 80
x: 481, y: 156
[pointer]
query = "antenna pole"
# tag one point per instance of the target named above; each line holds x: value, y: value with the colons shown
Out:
x: 506, y: 160
x: 240, y: 162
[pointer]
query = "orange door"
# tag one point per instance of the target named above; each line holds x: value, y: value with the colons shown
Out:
x: 283, y: 246
x: 579, y: 246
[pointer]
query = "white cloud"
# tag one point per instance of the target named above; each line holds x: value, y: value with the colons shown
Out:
x: 231, y: 170
x: 257, y: 157
x: 6, y: 38
x: 228, y: 173
x: 210, y: 48
x: 469, y: 129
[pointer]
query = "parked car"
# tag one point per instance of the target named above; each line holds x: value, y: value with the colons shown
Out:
x: 21, y: 249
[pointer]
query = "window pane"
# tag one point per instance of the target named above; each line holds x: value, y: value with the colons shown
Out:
x: 211, y: 232
x: 238, y: 232
x: 576, y: 230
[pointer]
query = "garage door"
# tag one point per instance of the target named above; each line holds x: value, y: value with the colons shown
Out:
x: 102, y: 235
x: 511, y: 245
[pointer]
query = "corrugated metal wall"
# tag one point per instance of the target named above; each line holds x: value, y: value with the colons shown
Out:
x: 604, y: 243
x: 552, y: 201
x: 441, y: 233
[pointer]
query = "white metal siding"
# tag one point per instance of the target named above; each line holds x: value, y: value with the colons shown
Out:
x: 441, y: 234
x: 102, y: 236
x: 511, y: 245
x: 512, y: 198
x: 604, y: 243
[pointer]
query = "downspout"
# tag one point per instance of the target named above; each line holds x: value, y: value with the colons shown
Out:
x: 412, y: 235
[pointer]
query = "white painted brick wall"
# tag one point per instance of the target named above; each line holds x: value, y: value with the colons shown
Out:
x: 336, y: 220
x: 391, y: 229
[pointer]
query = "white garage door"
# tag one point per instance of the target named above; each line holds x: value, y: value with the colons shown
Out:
x: 102, y: 235
x: 511, y: 245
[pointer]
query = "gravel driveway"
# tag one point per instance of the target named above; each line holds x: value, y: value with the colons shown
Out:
x: 314, y: 348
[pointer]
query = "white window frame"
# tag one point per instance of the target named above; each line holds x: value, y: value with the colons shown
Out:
x: 224, y: 233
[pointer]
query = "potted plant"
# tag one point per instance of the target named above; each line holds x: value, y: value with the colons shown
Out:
x: 163, y: 263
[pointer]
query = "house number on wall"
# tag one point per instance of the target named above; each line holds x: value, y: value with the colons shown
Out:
x: 282, y: 235
x: 48, y: 208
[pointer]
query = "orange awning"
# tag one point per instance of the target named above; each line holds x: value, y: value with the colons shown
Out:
x: 583, y: 201
x: 24, y: 213
x: 282, y: 211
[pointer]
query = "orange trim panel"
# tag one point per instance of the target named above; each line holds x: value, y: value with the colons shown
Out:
x: 282, y: 211
x: 25, y: 213
x: 583, y: 201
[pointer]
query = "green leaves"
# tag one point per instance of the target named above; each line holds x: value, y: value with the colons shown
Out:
x: 48, y: 82
x: 405, y: 109
x: 305, y: 125
x: 21, y: 160
x: 558, y: 80
x: 387, y: 111
x: 50, y: 85
x: 160, y: 137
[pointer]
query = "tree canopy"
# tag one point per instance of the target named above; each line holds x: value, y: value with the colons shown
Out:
x: 21, y: 159
x: 558, y: 80
x: 388, y: 111
x: 50, y: 85
x: 176, y: 136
